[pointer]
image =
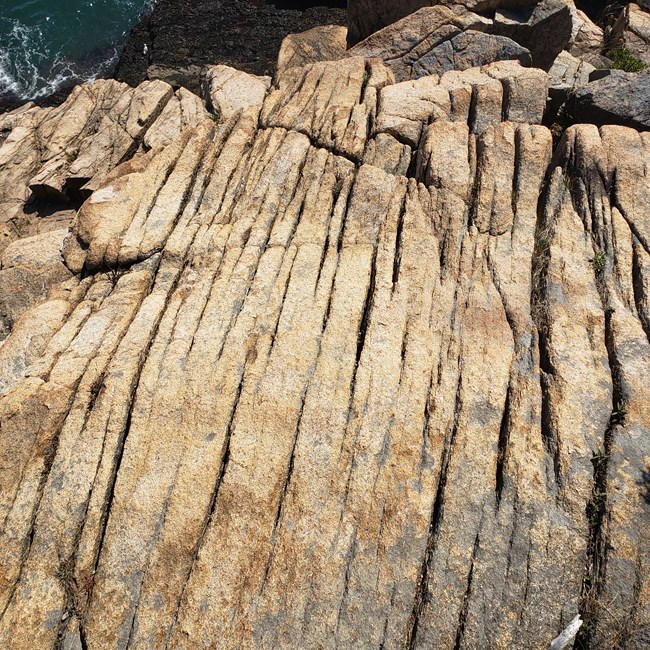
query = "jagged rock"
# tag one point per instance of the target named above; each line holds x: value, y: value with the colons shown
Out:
x: 228, y: 91
x: 479, y: 98
x: 436, y: 39
x: 365, y: 17
x: 632, y: 32
x: 586, y: 37
x: 618, y: 98
x: 567, y: 74
x: 543, y: 28
x: 309, y: 387
x: 326, y: 43
x: 60, y: 155
x: 182, y: 111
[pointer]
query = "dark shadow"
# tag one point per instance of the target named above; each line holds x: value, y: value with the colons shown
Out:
x: 306, y: 4
x: 645, y: 484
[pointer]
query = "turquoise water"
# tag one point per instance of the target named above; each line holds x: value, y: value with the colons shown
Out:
x: 45, y: 44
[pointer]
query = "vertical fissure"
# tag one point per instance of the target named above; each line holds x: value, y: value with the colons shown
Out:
x: 420, y: 599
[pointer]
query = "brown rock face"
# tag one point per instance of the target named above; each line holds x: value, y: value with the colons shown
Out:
x: 363, y: 365
x: 61, y: 154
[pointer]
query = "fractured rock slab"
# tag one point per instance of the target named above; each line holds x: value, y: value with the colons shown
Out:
x: 303, y: 392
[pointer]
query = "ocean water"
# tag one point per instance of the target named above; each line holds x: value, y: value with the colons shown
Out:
x: 47, y: 44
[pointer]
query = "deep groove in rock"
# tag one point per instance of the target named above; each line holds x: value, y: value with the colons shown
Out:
x: 397, y: 259
x: 502, y: 454
x: 285, y: 485
x: 597, y: 509
x: 638, y: 288
x: 367, y: 307
x: 420, y: 599
x: 464, y: 611
x: 346, y: 581
x: 514, y: 199
x: 225, y: 458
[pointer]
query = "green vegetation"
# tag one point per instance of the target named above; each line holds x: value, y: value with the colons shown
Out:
x: 599, y: 261
x: 622, y: 59
x: 215, y: 116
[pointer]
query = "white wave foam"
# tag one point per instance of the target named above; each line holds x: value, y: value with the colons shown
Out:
x: 29, y: 71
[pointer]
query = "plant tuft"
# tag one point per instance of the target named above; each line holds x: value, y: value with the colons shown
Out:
x: 622, y: 59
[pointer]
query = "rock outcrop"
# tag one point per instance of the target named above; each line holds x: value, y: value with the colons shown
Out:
x: 365, y: 17
x: 544, y: 29
x: 617, y: 98
x: 436, y: 39
x: 632, y: 31
x: 361, y: 363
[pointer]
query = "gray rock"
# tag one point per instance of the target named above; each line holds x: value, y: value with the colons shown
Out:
x: 544, y: 29
x: 567, y: 74
x: 620, y: 98
x: 470, y: 49
x: 365, y: 17
x: 436, y: 39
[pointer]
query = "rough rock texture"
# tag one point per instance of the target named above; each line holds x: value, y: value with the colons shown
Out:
x: 318, y: 382
x: 618, y: 98
x: 59, y: 155
x: 326, y: 43
x: 28, y: 268
x: 436, y: 39
x: 632, y: 31
x: 543, y: 28
x: 228, y: 91
x: 183, y: 36
x: 365, y: 17
x: 567, y: 74
x: 586, y: 36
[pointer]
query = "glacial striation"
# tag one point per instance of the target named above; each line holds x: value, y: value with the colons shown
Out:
x: 356, y: 361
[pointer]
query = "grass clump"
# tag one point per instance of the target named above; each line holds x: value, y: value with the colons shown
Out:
x: 622, y: 59
x: 599, y: 261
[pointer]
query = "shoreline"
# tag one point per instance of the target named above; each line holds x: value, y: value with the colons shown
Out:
x: 165, y: 43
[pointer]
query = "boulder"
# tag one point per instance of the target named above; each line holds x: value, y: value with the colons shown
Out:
x: 326, y: 43
x: 567, y: 74
x: 543, y: 28
x: 619, y: 98
x: 469, y: 49
x: 228, y: 91
x: 587, y: 38
x: 434, y: 40
x: 632, y: 32
x: 365, y: 17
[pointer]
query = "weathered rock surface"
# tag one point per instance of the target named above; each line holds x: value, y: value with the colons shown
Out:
x: 228, y: 91
x: 61, y: 154
x: 632, y: 31
x: 366, y: 367
x: 586, y: 36
x: 365, y: 17
x: 543, y: 28
x: 326, y: 43
x: 567, y: 74
x: 618, y: 98
x: 436, y: 39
